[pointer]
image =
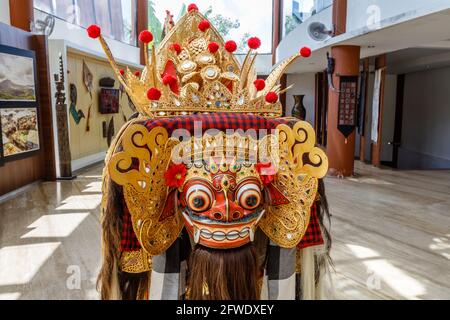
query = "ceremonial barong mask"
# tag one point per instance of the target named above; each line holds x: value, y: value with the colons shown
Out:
x: 222, y: 206
x: 221, y: 187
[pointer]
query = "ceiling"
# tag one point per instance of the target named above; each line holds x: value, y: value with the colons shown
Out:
x: 417, y: 59
x: 426, y: 38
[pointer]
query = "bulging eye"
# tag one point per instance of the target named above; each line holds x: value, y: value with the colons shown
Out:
x: 199, y: 198
x: 249, y: 196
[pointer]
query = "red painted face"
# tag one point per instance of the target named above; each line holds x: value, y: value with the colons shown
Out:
x: 222, y: 214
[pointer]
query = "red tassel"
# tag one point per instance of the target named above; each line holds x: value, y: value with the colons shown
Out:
x: 305, y: 52
x: 272, y: 97
x: 192, y: 7
x: 204, y: 25
x: 153, y: 94
x: 231, y: 46
x: 146, y: 37
x: 254, y: 43
x: 94, y: 31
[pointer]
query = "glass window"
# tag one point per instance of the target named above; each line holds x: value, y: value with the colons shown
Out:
x: 116, y: 17
x: 295, y: 12
x: 236, y: 20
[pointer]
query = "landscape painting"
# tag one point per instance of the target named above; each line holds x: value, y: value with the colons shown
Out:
x: 20, y: 133
x: 17, y: 75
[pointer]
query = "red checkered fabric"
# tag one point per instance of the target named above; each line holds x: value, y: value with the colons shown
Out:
x: 129, y: 241
x: 313, y: 236
x: 218, y: 121
x: 222, y: 122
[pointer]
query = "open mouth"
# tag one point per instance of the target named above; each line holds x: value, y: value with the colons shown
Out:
x: 213, y: 231
x: 205, y: 220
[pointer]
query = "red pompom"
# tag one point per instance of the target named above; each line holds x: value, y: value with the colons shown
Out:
x: 254, y: 43
x: 260, y: 84
x: 94, y: 31
x: 192, y: 7
x: 137, y: 73
x: 169, y: 80
x: 146, y: 37
x: 176, y: 47
x: 213, y: 47
x: 122, y: 72
x: 204, y: 25
x: 231, y: 46
x: 272, y: 97
x: 153, y: 94
x: 305, y: 52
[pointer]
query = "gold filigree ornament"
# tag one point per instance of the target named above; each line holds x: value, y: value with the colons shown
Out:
x: 301, y: 165
x: 139, y: 168
x: 201, y: 75
x: 184, y: 76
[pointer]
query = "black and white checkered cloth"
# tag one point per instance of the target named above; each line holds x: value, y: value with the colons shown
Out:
x: 168, y: 280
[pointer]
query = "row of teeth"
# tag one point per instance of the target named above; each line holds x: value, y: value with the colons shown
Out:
x: 222, y: 236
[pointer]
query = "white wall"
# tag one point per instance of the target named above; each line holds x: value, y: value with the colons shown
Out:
x: 426, y: 120
x: 4, y: 11
x: 360, y: 12
x: 263, y: 63
x: 390, y: 96
x: 304, y: 84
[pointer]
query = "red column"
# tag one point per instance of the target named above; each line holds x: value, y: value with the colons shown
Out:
x: 142, y: 23
x: 339, y: 17
x: 21, y: 13
x: 276, y: 28
x: 341, y: 151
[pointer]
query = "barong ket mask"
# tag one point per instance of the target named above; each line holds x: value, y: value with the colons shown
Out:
x: 220, y: 186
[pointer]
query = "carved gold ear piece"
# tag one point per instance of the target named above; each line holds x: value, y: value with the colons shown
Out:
x: 301, y: 165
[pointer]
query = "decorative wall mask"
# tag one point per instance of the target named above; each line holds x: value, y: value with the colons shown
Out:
x: 77, y: 115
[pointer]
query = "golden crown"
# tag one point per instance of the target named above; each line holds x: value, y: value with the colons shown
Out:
x: 195, y: 71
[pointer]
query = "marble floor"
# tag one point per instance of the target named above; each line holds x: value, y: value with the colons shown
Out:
x: 391, y: 234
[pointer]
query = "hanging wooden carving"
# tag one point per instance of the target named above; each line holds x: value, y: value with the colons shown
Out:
x: 88, y: 79
x: 347, y: 115
x: 65, y: 157
x: 110, y: 133
x: 77, y: 115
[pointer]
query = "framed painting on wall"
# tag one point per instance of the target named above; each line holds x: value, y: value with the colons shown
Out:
x: 109, y: 101
x: 18, y: 77
x: 2, y: 161
x: 19, y: 132
x: 348, y: 101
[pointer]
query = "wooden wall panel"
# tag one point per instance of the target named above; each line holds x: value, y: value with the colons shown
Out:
x: 16, y: 174
x: 45, y: 102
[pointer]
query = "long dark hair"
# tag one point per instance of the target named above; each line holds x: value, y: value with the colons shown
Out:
x: 224, y: 274
x: 324, y: 215
x: 112, y: 216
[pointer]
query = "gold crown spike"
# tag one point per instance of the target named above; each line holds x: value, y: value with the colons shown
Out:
x: 195, y: 71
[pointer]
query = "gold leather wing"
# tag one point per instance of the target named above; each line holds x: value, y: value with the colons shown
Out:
x: 139, y: 168
x: 301, y: 165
